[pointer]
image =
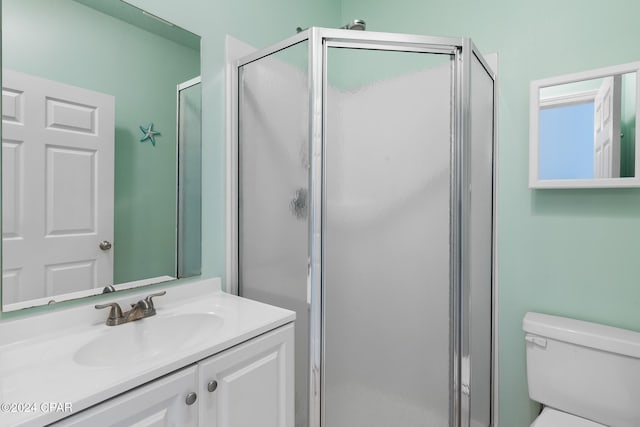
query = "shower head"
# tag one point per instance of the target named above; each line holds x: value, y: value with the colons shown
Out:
x: 356, y: 24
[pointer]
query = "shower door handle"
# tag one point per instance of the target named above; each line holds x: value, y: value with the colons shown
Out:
x: 298, y: 204
x: 315, y: 380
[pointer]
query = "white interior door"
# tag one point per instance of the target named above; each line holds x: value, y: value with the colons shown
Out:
x: 57, y: 187
x: 606, y: 145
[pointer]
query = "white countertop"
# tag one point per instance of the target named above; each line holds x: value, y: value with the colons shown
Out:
x: 37, y: 366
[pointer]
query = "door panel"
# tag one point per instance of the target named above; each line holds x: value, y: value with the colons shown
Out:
x: 607, y: 114
x: 70, y: 116
x: 60, y: 278
x: 254, y: 383
x: 57, y: 187
x: 70, y: 202
x: 13, y: 173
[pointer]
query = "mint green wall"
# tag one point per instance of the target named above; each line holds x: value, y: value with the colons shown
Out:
x: 566, y: 252
x: 74, y: 44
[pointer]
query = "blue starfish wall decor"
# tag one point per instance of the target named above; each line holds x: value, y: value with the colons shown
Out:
x: 149, y: 133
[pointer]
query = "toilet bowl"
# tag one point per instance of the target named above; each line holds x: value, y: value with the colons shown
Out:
x: 585, y: 374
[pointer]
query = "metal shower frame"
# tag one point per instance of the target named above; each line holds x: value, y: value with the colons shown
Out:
x: 319, y: 41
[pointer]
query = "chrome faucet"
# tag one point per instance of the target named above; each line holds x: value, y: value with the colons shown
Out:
x: 140, y: 310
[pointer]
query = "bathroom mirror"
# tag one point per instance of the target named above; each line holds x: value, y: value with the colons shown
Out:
x: 583, y: 129
x: 101, y: 149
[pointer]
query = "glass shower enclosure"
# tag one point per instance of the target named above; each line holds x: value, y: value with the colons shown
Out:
x: 189, y: 232
x: 363, y: 200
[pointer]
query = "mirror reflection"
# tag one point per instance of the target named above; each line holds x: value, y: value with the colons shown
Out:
x: 582, y: 131
x: 100, y: 128
x: 587, y: 129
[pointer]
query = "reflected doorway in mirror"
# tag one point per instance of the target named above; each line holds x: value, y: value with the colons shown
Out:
x: 58, y: 154
x: 580, y: 130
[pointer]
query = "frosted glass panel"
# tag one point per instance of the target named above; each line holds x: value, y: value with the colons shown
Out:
x: 190, y: 181
x: 480, y: 245
x: 386, y: 245
x: 273, y: 193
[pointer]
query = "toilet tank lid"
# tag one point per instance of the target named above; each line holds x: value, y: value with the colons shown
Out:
x: 607, y: 338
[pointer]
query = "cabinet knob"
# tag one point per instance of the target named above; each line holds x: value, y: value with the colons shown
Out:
x: 191, y: 398
x: 212, y: 386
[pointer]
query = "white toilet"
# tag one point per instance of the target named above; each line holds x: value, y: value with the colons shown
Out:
x: 585, y: 374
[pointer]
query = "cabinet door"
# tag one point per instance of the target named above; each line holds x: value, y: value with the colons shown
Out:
x: 250, y: 385
x: 159, y: 403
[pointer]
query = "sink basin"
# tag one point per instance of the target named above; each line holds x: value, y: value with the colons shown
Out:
x: 144, y: 339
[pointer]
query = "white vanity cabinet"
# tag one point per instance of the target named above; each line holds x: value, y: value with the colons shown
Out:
x: 147, y: 373
x: 249, y: 385
x: 159, y: 403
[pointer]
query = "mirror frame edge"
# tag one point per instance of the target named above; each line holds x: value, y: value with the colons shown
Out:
x: 534, y: 101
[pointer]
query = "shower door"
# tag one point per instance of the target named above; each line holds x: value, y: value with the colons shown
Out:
x: 386, y: 240
x: 273, y: 179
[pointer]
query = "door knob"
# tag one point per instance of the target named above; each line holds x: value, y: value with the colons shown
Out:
x: 105, y: 245
x: 212, y: 386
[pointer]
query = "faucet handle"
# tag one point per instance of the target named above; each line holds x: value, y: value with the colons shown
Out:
x: 115, y: 314
x: 149, y: 299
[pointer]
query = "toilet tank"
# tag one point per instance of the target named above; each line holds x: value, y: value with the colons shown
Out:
x: 584, y: 368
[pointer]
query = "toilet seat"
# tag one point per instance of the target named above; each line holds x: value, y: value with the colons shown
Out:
x: 553, y: 418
